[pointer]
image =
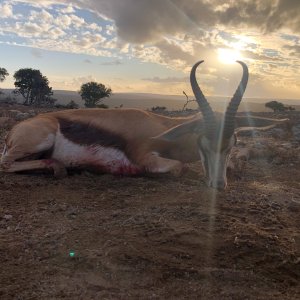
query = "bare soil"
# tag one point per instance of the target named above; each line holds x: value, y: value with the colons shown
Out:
x: 154, y: 237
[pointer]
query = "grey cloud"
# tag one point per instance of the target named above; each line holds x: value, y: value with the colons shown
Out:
x: 140, y: 21
x: 172, y: 51
x: 286, y: 14
x: 259, y: 56
x: 248, y: 12
x: 295, y: 49
x: 268, y: 15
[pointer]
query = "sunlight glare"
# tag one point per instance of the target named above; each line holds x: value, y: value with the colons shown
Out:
x: 228, y: 56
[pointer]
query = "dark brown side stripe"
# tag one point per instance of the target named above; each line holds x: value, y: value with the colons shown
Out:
x: 85, y: 134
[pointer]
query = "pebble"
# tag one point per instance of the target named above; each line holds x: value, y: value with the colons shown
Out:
x: 7, y: 217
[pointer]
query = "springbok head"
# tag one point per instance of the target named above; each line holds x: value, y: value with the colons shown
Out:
x: 218, y: 136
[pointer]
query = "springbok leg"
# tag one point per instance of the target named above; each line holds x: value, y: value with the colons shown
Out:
x: 153, y: 163
x: 42, y: 164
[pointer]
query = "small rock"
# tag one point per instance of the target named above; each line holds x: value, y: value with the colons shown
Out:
x: 286, y: 145
x: 7, y: 217
x: 32, y: 113
x: 22, y: 116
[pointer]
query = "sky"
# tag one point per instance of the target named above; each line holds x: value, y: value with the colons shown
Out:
x: 149, y: 46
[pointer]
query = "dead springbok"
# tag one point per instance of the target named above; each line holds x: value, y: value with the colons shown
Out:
x: 130, y: 141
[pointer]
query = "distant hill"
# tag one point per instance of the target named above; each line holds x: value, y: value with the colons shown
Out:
x: 171, y: 102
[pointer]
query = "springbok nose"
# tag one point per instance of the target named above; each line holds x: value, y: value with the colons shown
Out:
x: 219, y: 184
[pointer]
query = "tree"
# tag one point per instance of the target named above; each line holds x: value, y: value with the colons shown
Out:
x: 34, y: 87
x: 275, y: 106
x: 278, y: 106
x: 92, y: 93
x: 72, y: 105
x: 3, y: 74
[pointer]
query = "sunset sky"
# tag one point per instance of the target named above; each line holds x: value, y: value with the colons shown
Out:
x: 149, y: 46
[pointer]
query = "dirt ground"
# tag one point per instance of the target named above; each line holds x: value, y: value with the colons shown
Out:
x: 155, y: 237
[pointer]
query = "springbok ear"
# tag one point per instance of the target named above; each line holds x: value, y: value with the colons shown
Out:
x: 194, y: 126
x: 251, y: 123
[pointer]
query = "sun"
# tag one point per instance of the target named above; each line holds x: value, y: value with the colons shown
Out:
x: 228, y: 56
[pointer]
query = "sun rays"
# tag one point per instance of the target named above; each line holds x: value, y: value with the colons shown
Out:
x: 228, y: 56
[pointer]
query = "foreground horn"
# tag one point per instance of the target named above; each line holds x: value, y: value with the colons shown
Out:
x: 208, y: 114
x: 235, y: 101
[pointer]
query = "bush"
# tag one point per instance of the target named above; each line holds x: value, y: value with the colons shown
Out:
x: 278, y: 106
x: 102, y: 105
x: 71, y: 105
x: 158, y: 108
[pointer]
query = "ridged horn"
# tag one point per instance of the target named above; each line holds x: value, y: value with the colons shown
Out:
x: 235, y: 101
x: 208, y: 114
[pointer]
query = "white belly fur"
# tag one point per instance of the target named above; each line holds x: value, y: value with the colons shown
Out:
x: 105, y: 158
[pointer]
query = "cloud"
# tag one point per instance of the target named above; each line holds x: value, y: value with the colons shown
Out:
x: 268, y: 15
x: 43, y: 3
x: 167, y: 79
x: 43, y: 16
x: 94, y: 27
x: 6, y: 10
x: 77, y: 21
x: 140, y: 21
x: 30, y: 29
x: 110, y: 29
x: 68, y: 10
x: 147, y: 21
x: 47, y: 28
x: 81, y: 80
x: 144, y: 21
x: 294, y: 50
x: 63, y: 21
x: 261, y: 56
x: 171, y: 50
x: 286, y: 14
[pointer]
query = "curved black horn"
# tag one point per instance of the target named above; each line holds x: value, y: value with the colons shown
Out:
x: 235, y: 101
x: 208, y: 114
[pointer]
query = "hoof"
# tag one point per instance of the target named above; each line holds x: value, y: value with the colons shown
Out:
x: 59, y: 169
x: 178, y: 170
x: 5, y: 166
x: 60, y: 172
